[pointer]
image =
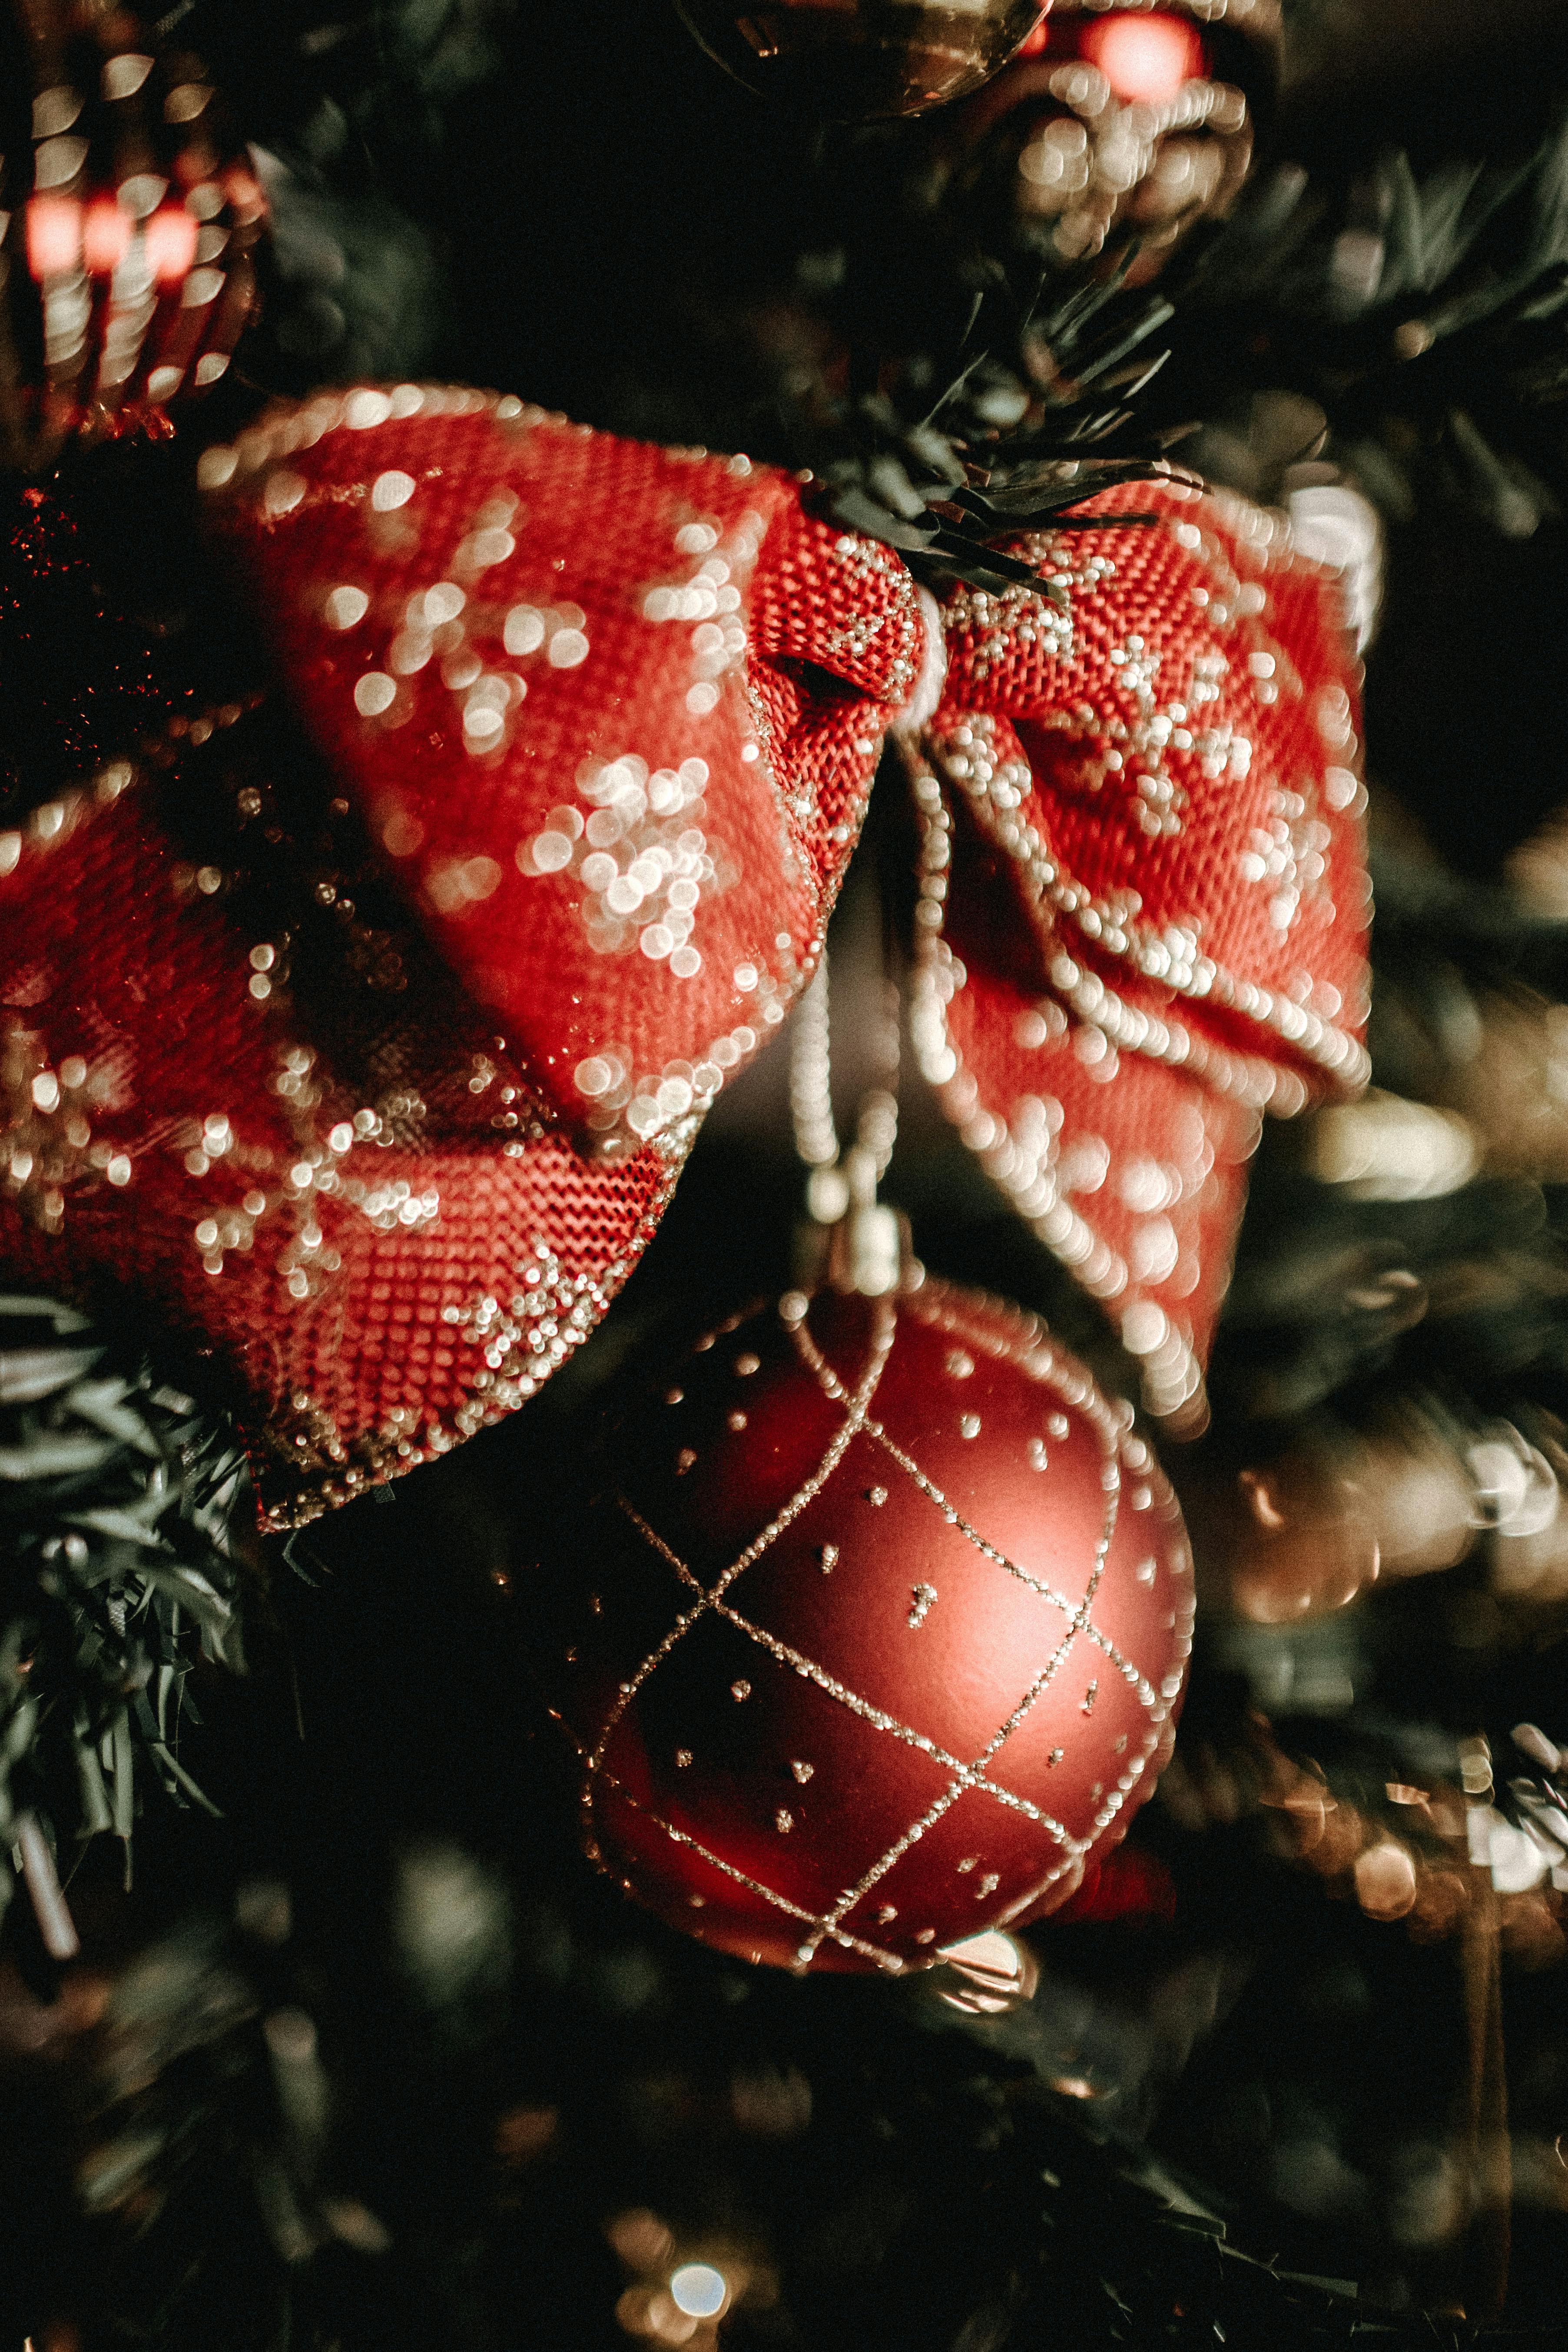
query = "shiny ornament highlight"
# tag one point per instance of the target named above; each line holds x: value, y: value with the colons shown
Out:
x: 854, y: 61
x: 872, y: 1633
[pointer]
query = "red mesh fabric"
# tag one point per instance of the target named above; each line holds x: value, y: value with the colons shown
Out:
x: 1146, y: 907
x: 376, y: 1287
x: 604, y: 762
x: 279, y: 1054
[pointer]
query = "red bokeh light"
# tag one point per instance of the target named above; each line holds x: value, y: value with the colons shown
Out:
x: 171, y: 243
x: 106, y: 236
x: 1145, y: 59
x: 53, y: 235
x: 246, y: 199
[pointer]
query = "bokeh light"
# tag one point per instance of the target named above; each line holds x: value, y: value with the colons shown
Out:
x: 53, y: 235
x: 699, y: 2290
x: 1145, y: 59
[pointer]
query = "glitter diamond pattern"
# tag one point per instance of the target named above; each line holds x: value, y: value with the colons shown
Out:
x: 981, y: 1681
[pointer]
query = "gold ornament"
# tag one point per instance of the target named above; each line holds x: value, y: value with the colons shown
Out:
x: 855, y: 60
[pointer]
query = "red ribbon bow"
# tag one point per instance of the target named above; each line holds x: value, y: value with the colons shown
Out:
x: 365, y: 1031
x: 1144, y: 905
x: 371, y: 1057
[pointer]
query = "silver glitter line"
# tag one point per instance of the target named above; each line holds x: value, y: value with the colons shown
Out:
x: 1006, y: 1730
x: 895, y: 1852
x: 1076, y: 1613
x: 1004, y: 1795
x: 881, y: 1345
x: 1031, y: 1894
x: 629, y: 1690
x: 792, y: 1510
x: 969, y: 1775
x: 816, y: 1920
x: 1133, y: 1674
x: 882, y: 1341
x: 652, y: 1537
x: 856, y: 1403
x: 955, y: 1519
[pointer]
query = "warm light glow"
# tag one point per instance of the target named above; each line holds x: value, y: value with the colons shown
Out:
x: 170, y: 237
x: 641, y: 2240
x: 699, y: 2290
x: 1145, y: 59
x: 53, y: 235
x: 106, y: 236
x: 997, y: 1974
x: 246, y: 199
x: 1386, y: 1880
x: 1388, y: 1149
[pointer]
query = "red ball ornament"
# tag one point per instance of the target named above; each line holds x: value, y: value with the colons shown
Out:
x: 878, y: 1633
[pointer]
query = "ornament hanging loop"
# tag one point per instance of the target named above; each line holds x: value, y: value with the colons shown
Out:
x: 852, y: 1242
x: 869, y: 1252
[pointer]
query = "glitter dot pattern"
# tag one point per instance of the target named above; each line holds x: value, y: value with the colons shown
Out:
x: 1161, y: 772
x: 275, y: 1077
x: 549, y: 673
x: 955, y: 1781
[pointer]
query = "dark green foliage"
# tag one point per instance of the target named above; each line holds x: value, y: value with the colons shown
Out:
x: 116, y: 1576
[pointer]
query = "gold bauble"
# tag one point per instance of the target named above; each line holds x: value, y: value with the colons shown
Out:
x: 854, y: 61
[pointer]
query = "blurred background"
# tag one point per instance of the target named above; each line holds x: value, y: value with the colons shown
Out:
x: 375, y: 2059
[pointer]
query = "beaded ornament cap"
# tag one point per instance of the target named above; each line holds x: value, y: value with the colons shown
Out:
x: 363, y: 1026
x: 1143, y: 893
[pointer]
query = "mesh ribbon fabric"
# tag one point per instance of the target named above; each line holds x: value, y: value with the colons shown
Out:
x: 590, y: 745
x: 1144, y: 905
x: 321, y: 1028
